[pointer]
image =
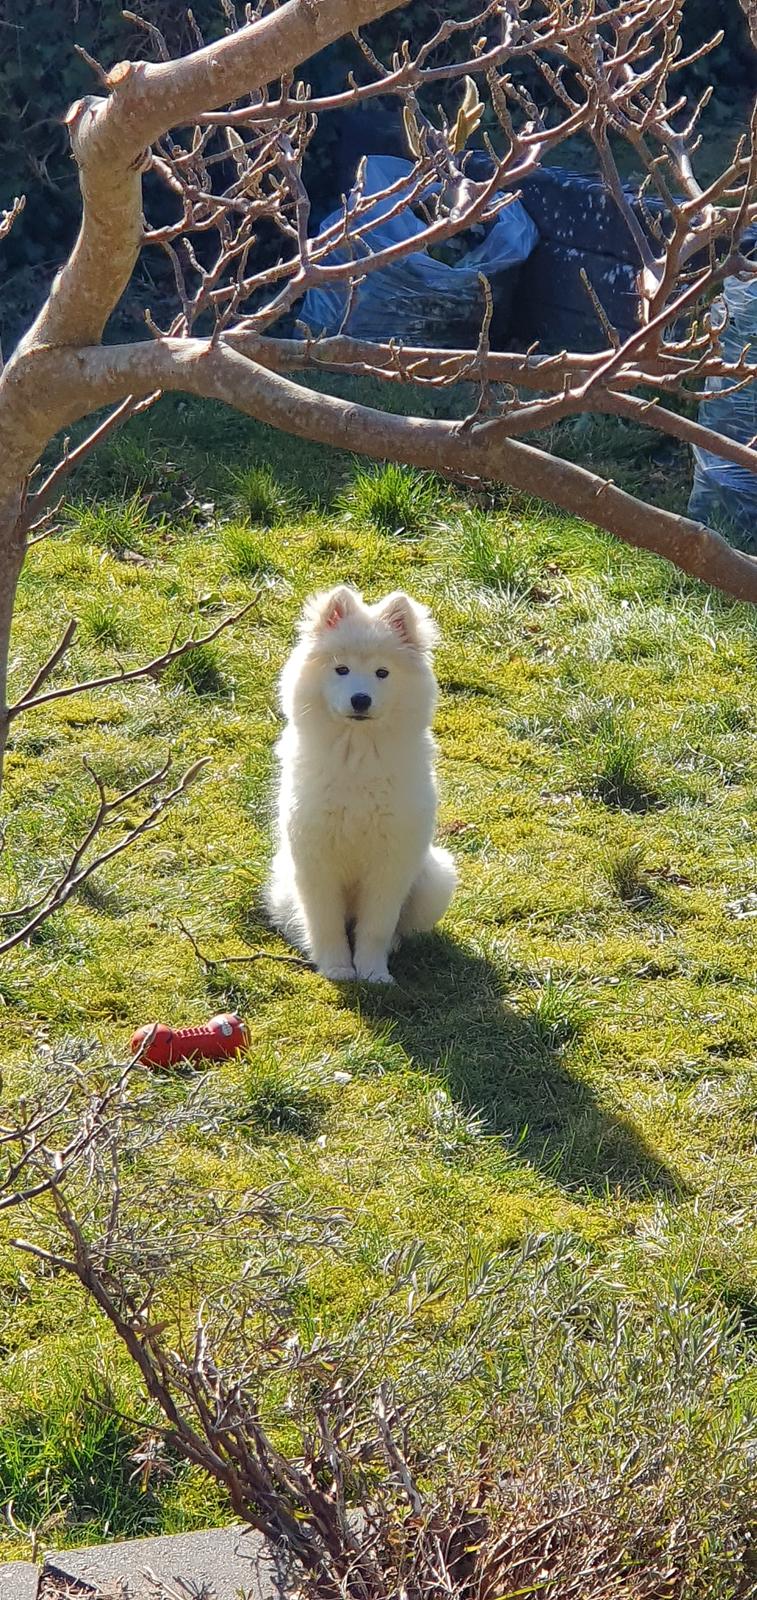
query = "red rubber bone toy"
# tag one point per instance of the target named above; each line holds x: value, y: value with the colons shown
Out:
x: 214, y: 1041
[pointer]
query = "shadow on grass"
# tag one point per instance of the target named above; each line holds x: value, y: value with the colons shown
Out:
x: 448, y: 1013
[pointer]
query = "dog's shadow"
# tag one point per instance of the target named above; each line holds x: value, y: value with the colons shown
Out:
x: 448, y: 1012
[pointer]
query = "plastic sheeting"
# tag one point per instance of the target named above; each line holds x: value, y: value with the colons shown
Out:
x: 725, y: 495
x: 418, y: 299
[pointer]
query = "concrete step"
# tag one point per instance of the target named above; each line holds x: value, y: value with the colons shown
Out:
x: 218, y: 1564
x: 19, y: 1580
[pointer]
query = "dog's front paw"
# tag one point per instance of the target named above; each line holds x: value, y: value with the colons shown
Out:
x: 337, y: 973
x: 373, y: 972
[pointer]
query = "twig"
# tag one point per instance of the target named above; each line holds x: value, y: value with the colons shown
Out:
x: 45, y: 524
x: 154, y: 33
x: 33, y: 1136
x: 53, y: 659
x: 7, y: 218
x: 210, y: 962
x: 478, y: 366
x: 611, y: 334
x: 109, y: 813
x: 70, y: 459
x: 96, y: 66
x: 30, y: 701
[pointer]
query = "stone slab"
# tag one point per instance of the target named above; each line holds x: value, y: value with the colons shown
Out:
x: 19, y: 1580
x: 219, y: 1564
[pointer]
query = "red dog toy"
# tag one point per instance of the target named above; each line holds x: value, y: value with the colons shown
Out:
x: 214, y: 1041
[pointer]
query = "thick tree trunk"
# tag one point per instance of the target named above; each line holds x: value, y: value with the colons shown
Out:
x: 74, y: 380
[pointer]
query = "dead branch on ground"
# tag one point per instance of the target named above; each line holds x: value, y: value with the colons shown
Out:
x: 113, y: 815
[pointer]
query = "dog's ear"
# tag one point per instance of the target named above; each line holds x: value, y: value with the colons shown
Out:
x: 412, y: 622
x: 325, y: 611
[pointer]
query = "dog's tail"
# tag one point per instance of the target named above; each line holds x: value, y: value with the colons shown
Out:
x: 281, y: 901
x: 431, y: 893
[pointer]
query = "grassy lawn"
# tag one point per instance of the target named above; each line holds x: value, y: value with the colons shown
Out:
x: 572, y: 1057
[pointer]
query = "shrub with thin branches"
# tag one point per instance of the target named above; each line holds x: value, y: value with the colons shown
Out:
x: 536, y: 1426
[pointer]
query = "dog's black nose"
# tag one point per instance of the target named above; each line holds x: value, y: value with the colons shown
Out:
x: 360, y: 702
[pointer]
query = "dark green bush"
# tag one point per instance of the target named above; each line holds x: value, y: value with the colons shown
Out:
x: 40, y: 75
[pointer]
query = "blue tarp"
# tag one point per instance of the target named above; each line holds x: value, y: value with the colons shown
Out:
x: 419, y: 300
x: 724, y: 494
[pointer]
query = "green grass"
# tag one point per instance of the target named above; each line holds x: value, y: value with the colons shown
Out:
x: 247, y: 555
x: 199, y: 671
x: 626, y: 873
x: 121, y: 526
x: 492, y: 557
x: 610, y: 761
x: 391, y: 499
x: 258, y: 495
x: 570, y: 1056
x: 74, y: 1452
x: 102, y: 623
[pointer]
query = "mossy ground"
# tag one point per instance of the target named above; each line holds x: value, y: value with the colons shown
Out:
x: 574, y: 1051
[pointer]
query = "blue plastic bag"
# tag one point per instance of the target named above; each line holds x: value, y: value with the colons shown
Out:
x: 724, y: 494
x: 417, y: 300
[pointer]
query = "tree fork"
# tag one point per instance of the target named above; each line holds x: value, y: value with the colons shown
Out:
x: 218, y: 372
x: 620, y: 64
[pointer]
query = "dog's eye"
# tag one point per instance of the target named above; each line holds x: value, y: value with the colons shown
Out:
x: 342, y: 671
x: 382, y: 672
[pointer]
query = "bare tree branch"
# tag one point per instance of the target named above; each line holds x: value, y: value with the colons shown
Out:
x: 110, y: 139
x: 228, y: 128
x: 50, y: 664
x: 7, y: 218
x: 81, y: 865
x: 37, y: 503
x: 31, y: 699
x: 217, y: 372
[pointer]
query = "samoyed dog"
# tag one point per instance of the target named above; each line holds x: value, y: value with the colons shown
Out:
x: 355, y: 867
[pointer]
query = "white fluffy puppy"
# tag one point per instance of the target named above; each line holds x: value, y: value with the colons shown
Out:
x: 355, y: 867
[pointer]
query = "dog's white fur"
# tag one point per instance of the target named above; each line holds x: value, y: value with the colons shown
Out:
x: 355, y: 867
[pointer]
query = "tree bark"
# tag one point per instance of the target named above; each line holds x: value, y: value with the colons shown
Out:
x: 75, y: 381
x: 110, y: 138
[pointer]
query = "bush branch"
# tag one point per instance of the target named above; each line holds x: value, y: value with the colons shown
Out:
x: 31, y: 699
x: 108, y: 814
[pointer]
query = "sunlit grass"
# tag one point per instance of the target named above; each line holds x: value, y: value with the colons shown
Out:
x: 119, y: 526
x: 494, y: 558
x: 572, y: 1055
x: 258, y: 495
x: 247, y: 554
x: 391, y: 499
